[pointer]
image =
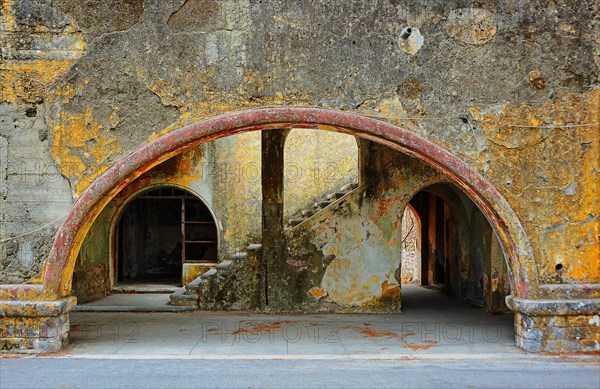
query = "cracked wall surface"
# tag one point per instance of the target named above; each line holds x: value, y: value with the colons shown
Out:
x: 156, y: 72
x: 509, y: 86
x: 108, y: 87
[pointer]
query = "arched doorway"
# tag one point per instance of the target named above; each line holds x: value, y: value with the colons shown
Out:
x: 460, y: 252
x: 411, y: 247
x: 159, y: 231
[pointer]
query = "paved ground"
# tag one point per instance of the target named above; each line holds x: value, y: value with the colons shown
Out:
x: 133, y: 302
x: 431, y: 324
x: 154, y: 373
x: 435, y: 342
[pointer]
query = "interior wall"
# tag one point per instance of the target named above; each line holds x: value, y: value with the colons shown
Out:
x: 91, y: 278
x: 317, y: 163
x: 348, y: 256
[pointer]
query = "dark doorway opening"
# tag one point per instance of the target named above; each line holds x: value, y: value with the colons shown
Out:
x: 460, y: 254
x: 159, y: 231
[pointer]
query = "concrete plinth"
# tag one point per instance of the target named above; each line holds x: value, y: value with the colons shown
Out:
x: 556, y: 326
x: 35, y: 326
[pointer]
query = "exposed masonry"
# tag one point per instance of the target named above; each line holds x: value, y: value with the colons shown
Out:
x: 510, y: 88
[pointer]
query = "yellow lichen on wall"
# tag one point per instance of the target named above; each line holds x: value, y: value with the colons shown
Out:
x: 239, y: 186
x: 391, y: 107
x: 556, y: 170
x: 30, y: 65
x: 81, y: 146
x: 195, y: 105
x: 26, y: 80
x: 185, y: 168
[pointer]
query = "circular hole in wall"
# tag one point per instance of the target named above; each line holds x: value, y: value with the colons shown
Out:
x: 559, y: 267
x: 406, y: 33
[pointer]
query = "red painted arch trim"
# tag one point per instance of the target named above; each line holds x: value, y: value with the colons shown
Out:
x: 59, y: 265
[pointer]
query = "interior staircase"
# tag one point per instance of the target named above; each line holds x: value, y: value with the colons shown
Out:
x: 211, y: 290
x: 188, y: 294
x: 320, y: 205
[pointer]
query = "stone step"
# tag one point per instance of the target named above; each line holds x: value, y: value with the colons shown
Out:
x: 208, y: 274
x: 321, y: 204
x: 225, y: 265
x: 349, y: 187
x: 192, y: 287
x: 254, y: 247
x: 295, y: 222
x: 241, y: 255
x: 336, y: 195
x: 308, y: 213
x: 180, y: 298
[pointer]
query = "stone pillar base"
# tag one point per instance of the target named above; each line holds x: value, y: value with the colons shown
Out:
x: 34, y: 326
x: 556, y: 326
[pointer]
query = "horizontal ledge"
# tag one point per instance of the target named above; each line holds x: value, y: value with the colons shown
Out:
x: 28, y: 308
x: 570, y: 291
x: 572, y: 307
x: 90, y: 307
x: 16, y: 292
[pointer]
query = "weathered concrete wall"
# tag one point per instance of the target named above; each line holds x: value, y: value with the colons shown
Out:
x: 34, y: 195
x: 510, y: 86
x: 348, y: 256
x: 232, y: 55
x: 339, y: 257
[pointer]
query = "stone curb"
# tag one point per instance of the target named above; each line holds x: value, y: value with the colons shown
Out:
x: 37, y: 308
x: 554, y: 307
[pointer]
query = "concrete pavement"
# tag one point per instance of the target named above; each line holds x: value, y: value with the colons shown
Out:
x: 435, y: 342
x: 158, y: 373
x: 431, y: 325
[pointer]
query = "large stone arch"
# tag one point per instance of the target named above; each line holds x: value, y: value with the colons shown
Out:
x: 56, y: 278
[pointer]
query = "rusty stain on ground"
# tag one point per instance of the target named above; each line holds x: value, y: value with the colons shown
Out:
x: 256, y: 328
x: 370, y: 333
x: 427, y: 346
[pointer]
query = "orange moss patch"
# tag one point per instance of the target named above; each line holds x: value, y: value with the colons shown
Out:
x: 317, y: 292
x: 389, y: 290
